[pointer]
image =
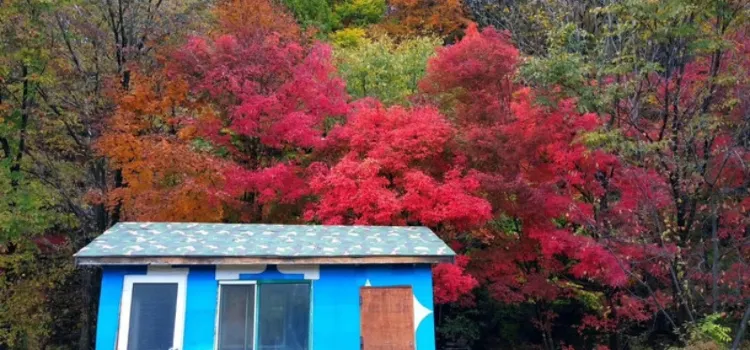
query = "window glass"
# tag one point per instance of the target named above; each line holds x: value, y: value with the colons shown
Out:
x: 152, y: 314
x: 237, y: 317
x: 284, y: 316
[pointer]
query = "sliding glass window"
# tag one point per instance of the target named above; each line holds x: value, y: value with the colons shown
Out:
x: 266, y: 316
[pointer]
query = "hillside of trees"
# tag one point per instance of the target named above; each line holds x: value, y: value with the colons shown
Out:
x: 588, y: 160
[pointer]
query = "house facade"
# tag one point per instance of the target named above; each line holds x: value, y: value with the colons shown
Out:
x: 268, y: 287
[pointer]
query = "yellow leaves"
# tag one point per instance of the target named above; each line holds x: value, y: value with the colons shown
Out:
x: 384, y: 68
x: 348, y: 37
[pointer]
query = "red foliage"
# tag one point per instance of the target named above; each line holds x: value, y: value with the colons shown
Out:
x: 543, y: 171
x: 261, y: 124
x: 275, y: 91
x: 397, y: 168
x: 564, y: 199
x: 270, y: 103
x: 477, y: 74
x: 451, y: 281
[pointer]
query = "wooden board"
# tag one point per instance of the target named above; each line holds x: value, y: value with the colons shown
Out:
x: 386, y: 318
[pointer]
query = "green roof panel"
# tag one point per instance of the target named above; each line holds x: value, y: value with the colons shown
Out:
x: 151, y: 239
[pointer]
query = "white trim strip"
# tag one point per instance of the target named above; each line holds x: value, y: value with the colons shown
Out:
x: 232, y: 272
x: 311, y: 272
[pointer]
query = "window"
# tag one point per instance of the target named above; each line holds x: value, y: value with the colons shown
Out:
x: 152, y: 311
x: 237, y: 320
x: 152, y: 316
x: 267, y: 316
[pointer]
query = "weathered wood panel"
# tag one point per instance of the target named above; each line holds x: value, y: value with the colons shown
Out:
x: 387, y: 318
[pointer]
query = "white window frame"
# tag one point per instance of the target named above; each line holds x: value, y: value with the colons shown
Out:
x: 178, y: 276
x: 218, y: 309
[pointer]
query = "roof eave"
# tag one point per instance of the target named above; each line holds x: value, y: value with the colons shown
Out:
x: 255, y: 260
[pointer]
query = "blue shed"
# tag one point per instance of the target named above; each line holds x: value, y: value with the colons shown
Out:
x: 194, y: 286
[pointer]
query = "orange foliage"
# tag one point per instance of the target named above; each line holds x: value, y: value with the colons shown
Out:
x: 155, y: 139
x: 253, y: 17
x: 165, y: 178
x: 444, y: 18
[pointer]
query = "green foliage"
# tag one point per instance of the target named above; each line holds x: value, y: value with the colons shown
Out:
x: 564, y: 70
x: 383, y: 68
x: 358, y: 12
x: 58, y: 58
x: 327, y: 16
x: 459, y: 330
x: 312, y: 13
x: 28, y: 209
x: 592, y: 300
x: 530, y: 24
x: 508, y: 225
x: 26, y: 285
x: 579, y: 55
x: 711, y: 328
x: 28, y: 206
x: 708, y: 333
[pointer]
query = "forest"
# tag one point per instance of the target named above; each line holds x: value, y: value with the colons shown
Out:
x: 588, y: 160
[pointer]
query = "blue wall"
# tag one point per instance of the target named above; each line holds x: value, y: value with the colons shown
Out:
x: 109, y: 304
x: 335, y: 302
x: 200, y: 311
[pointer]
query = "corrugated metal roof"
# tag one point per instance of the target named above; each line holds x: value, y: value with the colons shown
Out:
x: 151, y: 239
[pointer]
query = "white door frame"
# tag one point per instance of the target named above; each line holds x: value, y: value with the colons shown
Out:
x: 178, y: 276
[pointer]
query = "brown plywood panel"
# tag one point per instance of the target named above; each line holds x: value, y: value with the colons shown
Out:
x: 387, y: 318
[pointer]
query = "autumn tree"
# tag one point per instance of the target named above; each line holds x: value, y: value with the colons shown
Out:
x: 571, y: 216
x: 397, y: 168
x: 250, y: 18
x: 156, y: 123
x: 442, y: 18
x: 29, y: 208
x: 143, y: 142
x: 658, y: 104
x: 251, y: 100
x: 586, y: 159
x: 382, y: 68
x: 633, y: 206
x: 58, y: 62
x: 532, y: 24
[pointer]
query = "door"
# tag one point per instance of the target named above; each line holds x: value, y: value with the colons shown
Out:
x: 152, y: 312
x: 387, y: 318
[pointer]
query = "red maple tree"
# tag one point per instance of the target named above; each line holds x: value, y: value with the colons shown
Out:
x: 567, y: 216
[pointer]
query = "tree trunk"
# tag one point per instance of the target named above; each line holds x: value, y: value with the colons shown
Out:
x: 84, y: 340
x: 715, y: 264
x: 741, y: 331
x: 89, y: 287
